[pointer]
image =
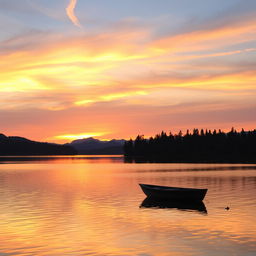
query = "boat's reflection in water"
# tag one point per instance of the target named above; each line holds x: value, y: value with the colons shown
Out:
x: 180, y: 205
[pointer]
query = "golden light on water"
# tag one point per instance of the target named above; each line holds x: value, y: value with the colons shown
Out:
x: 74, y: 206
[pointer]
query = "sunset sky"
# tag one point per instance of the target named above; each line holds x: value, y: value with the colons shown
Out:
x: 116, y: 68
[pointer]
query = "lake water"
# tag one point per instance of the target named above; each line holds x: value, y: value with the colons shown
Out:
x: 94, y: 206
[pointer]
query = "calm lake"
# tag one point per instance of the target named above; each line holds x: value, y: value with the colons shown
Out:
x: 94, y: 206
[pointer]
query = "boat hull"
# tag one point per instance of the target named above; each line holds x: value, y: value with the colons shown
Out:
x: 173, y: 193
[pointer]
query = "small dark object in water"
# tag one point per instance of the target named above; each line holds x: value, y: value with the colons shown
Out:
x: 227, y: 208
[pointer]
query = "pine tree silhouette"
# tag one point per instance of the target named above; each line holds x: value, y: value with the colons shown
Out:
x: 198, y: 146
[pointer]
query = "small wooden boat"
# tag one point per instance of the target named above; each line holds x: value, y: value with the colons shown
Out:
x: 173, y: 193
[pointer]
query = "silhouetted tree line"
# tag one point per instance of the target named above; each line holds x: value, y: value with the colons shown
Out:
x: 195, y: 146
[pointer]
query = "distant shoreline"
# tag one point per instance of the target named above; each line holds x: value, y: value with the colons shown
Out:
x: 142, y: 160
x: 137, y: 160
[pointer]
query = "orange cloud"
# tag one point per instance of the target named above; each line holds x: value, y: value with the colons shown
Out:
x: 206, y: 39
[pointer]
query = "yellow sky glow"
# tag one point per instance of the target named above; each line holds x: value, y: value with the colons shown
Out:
x: 78, y: 136
x: 112, y: 80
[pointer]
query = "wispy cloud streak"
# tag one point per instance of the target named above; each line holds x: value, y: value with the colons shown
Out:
x: 71, y: 13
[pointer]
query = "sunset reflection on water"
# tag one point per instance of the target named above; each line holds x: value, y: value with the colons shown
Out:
x: 92, y: 207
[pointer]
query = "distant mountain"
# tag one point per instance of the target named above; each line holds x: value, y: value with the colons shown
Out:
x: 91, y: 146
x: 21, y: 146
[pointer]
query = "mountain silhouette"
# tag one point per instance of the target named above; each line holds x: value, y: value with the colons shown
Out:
x: 14, y: 146
x: 91, y: 146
